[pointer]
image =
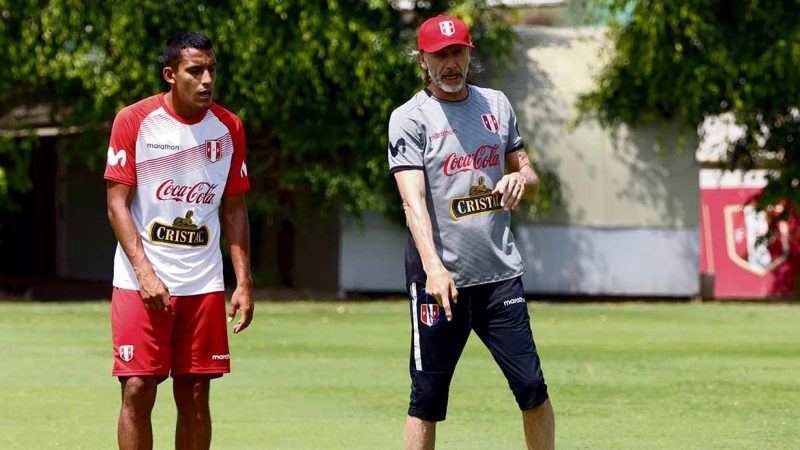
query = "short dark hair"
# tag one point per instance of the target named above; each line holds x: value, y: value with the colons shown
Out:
x: 182, y: 40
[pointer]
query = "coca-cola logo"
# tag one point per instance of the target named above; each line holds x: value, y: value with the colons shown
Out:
x: 200, y: 193
x: 485, y: 156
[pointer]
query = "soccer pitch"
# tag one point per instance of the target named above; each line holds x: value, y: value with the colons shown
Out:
x: 335, y: 376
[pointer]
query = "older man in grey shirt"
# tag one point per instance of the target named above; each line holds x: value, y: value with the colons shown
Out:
x: 450, y: 147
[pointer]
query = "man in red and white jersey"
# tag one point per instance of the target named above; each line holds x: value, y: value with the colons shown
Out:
x: 174, y: 160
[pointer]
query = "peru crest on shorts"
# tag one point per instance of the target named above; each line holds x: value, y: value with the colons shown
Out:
x: 126, y: 352
x: 429, y: 314
x: 213, y: 151
x: 490, y: 123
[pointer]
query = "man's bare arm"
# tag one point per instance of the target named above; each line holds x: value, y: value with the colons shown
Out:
x: 155, y: 294
x: 439, y: 285
x: 236, y: 228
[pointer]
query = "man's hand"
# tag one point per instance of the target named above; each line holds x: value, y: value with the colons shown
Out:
x: 155, y: 294
x: 242, y: 299
x: 512, y: 188
x: 441, y: 287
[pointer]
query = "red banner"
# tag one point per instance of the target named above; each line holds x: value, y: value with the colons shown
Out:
x: 733, y: 247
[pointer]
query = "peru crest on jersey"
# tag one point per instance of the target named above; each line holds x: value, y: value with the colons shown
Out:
x: 490, y: 122
x: 213, y: 151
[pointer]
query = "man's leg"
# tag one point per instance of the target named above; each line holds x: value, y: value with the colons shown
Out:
x: 540, y: 427
x: 436, y: 346
x: 193, y: 429
x: 142, y: 355
x: 200, y: 353
x: 502, y: 322
x: 134, y: 429
x: 419, y: 434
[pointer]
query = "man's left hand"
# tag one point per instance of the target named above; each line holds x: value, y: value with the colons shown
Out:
x: 512, y: 188
x: 242, y: 299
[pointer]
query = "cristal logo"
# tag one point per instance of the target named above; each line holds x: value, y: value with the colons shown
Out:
x: 200, y: 193
x: 485, y: 156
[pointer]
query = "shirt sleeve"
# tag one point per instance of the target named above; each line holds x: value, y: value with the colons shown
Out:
x: 238, y: 180
x: 121, y: 156
x: 514, y: 138
x: 406, y: 144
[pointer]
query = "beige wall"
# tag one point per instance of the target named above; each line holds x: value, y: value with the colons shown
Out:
x: 609, y: 178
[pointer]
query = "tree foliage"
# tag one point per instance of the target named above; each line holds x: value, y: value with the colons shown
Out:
x: 313, y: 81
x: 688, y: 60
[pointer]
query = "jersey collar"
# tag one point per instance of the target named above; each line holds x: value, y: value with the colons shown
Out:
x: 191, y: 121
x: 463, y: 100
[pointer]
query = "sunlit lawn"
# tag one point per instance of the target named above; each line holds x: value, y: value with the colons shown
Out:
x: 335, y: 375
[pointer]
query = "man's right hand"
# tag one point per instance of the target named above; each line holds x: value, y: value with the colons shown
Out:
x: 442, y: 288
x: 155, y: 294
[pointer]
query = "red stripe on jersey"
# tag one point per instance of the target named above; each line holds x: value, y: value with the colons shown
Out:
x: 154, y: 170
x: 121, y: 153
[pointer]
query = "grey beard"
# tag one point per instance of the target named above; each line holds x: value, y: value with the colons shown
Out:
x: 446, y: 87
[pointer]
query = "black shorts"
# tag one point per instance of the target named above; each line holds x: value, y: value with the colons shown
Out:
x: 499, y: 315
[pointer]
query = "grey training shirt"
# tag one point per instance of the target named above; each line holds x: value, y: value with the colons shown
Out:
x: 461, y: 147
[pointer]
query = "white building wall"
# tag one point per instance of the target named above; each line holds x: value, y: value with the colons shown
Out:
x: 559, y: 260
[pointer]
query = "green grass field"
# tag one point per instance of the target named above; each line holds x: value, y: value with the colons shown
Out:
x: 335, y: 376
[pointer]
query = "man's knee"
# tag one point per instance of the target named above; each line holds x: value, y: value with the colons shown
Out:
x: 191, y: 394
x: 530, y: 393
x: 139, y: 393
x: 430, y: 392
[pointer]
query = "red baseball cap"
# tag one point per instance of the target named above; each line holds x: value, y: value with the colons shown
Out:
x: 438, y: 32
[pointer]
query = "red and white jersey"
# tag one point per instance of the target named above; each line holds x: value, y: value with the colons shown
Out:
x: 181, y: 169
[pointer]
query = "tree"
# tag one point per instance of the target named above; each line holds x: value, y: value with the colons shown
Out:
x: 313, y: 81
x: 689, y: 60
